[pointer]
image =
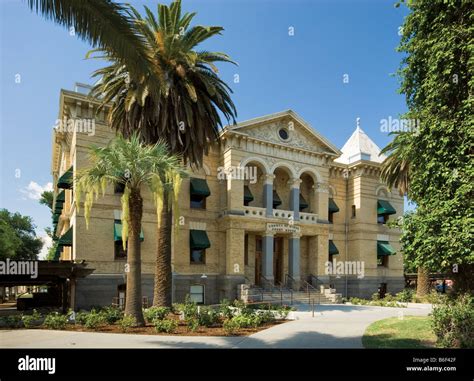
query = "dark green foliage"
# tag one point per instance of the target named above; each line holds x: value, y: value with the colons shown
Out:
x: 453, y: 322
x: 155, y: 313
x: 18, y: 239
x: 433, y: 164
x: 55, y: 320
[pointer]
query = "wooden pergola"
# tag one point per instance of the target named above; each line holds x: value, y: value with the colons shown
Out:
x: 60, y: 274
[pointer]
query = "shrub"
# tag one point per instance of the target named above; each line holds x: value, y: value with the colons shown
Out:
x: 153, y: 313
x: 127, y: 322
x: 177, y: 308
x: 12, y: 321
x: 112, y: 314
x: 388, y: 297
x: 453, y: 322
x: 434, y: 298
x: 165, y: 325
x: 283, y: 312
x: 55, y: 321
x: 225, y: 309
x: 192, y: 323
x: 95, y: 319
x: 230, y: 326
x: 375, y: 296
x: 208, y: 317
x: 266, y: 316
x: 81, y: 317
x: 406, y: 295
x: 29, y: 320
x: 243, y: 308
x: 189, y: 308
x: 247, y: 321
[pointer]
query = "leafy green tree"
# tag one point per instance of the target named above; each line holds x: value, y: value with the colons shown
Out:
x: 136, y: 166
x: 17, y: 237
x: 436, y: 78
x: 178, y: 99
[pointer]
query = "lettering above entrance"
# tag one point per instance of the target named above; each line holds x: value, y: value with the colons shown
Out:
x: 282, y: 228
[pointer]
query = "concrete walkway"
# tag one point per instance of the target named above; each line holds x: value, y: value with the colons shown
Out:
x: 333, y: 326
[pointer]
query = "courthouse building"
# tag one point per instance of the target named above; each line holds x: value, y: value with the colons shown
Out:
x: 274, y: 202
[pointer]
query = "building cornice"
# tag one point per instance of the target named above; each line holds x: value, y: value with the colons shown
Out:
x: 226, y: 135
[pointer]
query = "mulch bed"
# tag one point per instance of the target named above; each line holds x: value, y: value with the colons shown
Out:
x: 149, y: 329
x: 182, y: 330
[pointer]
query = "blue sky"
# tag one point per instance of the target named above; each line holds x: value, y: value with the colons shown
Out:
x: 277, y: 71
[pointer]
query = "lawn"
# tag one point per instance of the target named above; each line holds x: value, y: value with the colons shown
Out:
x: 409, y: 332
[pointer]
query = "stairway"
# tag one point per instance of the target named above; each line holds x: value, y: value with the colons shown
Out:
x: 286, y: 295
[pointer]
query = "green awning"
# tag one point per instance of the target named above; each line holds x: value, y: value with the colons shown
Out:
x: 60, y: 198
x: 199, y: 187
x: 333, y: 208
x: 118, y: 232
x: 57, y: 253
x: 384, y: 207
x: 65, y: 181
x: 198, y: 239
x: 384, y: 248
x: 276, y: 199
x: 332, y: 248
x: 248, y: 196
x: 66, y: 238
x: 303, y: 203
x: 55, y: 218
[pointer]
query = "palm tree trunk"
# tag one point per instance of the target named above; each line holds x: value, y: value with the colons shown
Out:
x: 133, y: 300
x: 162, y: 289
x: 422, y: 282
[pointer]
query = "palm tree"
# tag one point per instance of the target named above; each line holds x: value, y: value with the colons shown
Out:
x: 396, y: 174
x: 47, y: 199
x: 178, y: 99
x: 102, y: 23
x: 396, y: 167
x: 129, y: 162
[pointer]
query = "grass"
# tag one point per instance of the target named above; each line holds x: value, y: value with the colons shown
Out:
x: 409, y: 332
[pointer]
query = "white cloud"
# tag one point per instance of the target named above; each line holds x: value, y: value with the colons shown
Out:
x: 47, y: 243
x: 33, y: 190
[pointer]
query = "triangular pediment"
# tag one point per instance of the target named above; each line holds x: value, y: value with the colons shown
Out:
x: 296, y: 132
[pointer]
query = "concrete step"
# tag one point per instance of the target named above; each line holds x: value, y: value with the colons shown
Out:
x: 297, y: 296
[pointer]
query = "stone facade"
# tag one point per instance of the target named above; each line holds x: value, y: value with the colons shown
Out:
x: 254, y: 242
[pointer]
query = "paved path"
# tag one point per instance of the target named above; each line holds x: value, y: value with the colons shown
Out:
x: 333, y: 326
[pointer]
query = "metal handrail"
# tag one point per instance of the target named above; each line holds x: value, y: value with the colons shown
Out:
x: 269, y: 283
x: 311, y: 277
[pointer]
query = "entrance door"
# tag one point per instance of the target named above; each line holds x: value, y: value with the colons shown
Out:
x: 258, y: 260
x: 278, y: 259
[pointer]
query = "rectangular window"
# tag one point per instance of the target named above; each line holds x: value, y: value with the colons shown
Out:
x: 382, y: 218
x: 196, y: 294
x: 198, y: 202
x: 198, y: 256
x: 353, y: 208
x: 382, y: 260
x: 246, y: 250
x: 120, y: 253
